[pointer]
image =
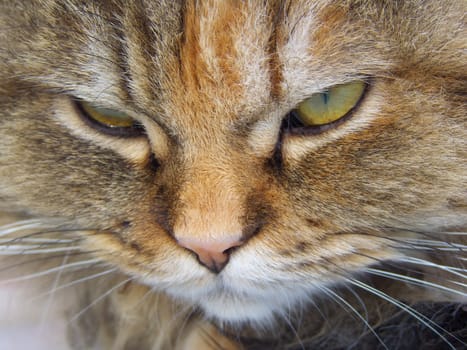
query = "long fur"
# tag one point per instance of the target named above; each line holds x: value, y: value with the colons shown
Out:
x: 350, y: 238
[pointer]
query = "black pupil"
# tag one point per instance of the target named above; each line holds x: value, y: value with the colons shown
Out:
x: 325, y: 96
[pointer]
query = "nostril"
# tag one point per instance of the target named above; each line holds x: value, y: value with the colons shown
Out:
x: 230, y: 250
x: 252, y: 230
x: 214, y: 254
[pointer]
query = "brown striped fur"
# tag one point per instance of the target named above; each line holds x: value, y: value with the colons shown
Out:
x: 212, y: 81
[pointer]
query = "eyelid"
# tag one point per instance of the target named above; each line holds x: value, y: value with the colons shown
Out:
x: 134, y: 149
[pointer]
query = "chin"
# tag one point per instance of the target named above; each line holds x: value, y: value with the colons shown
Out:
x: 237, y: 305
x: 237, y: 310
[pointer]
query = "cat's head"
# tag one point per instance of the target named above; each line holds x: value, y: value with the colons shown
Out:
x: 188, y: 142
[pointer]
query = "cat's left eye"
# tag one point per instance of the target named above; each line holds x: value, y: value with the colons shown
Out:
x: 323, y: 110
x: 109, y: 121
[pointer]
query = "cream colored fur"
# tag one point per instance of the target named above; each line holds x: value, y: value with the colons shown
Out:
x: 342, y: 231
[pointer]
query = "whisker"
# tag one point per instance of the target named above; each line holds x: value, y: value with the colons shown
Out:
x: 45, y: 258
x: 98, y: 299
x: 21, y: 250
x: 29, y: 221
x: 421, y: 244
x: 311, y: 301
x: 287, y: 317
x: 432, y: 235
x: 19, y: 241
x: 414, y: 313
x: 50, y: 299
x: 361, y: 302
x: 27, y: 239
x: 186, y: 314
x: 210, y: 340
x: 453, y: 233
x: 454, y: 270
x: 394, y: 264
x: 61, y: 231
x: 431, y: 248
x: 294, y: 331
x: 459, y: 283
x: 412, y: 280
x: 346, y: 303
x: 22, y: 226
x: 72, y: 266
x: 441, y: 245
x: 145, y: 296
x: 77, y: 281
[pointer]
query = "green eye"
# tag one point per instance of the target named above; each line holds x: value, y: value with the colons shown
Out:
x: 331, y: 105
x: 109, y: 121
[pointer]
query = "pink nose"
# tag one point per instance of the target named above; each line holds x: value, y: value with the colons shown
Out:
x: 212, y: 254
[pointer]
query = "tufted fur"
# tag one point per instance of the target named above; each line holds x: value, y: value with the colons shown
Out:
x: 325, y: 218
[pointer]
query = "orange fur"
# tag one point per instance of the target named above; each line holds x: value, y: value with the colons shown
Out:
x: 213, y: 83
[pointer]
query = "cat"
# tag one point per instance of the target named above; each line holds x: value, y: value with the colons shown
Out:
x: 233, y: 174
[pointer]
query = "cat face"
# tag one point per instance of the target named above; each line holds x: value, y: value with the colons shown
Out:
x: 209, y: 189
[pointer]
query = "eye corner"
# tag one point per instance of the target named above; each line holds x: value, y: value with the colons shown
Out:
x: 108, y: 124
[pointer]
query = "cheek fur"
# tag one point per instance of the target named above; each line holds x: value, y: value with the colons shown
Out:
x: 363, y: 222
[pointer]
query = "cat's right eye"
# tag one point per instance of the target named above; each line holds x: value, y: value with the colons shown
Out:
x: 109, y: 121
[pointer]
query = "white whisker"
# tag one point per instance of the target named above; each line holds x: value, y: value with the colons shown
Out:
x: 77, y: 281
x: 412, y: 280
x: 184, y: 315
x: 361, y: 302
x: 71, y: 266
x: 453, y: 233
x: 286, y: 318
x: 43, y: 222
x: 50, y: 299
x: 414, y: 313
x: 454, y: 270
x: 22, y: 223
x: 37, y: 240
x: 98, y: 299
x: 434, y: 243
x: 7, y: 229
x: 346, y: 303
x: 30, y: 250
x: 459, y: 283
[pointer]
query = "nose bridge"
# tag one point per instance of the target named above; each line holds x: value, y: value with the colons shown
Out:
x: 210, y: 203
